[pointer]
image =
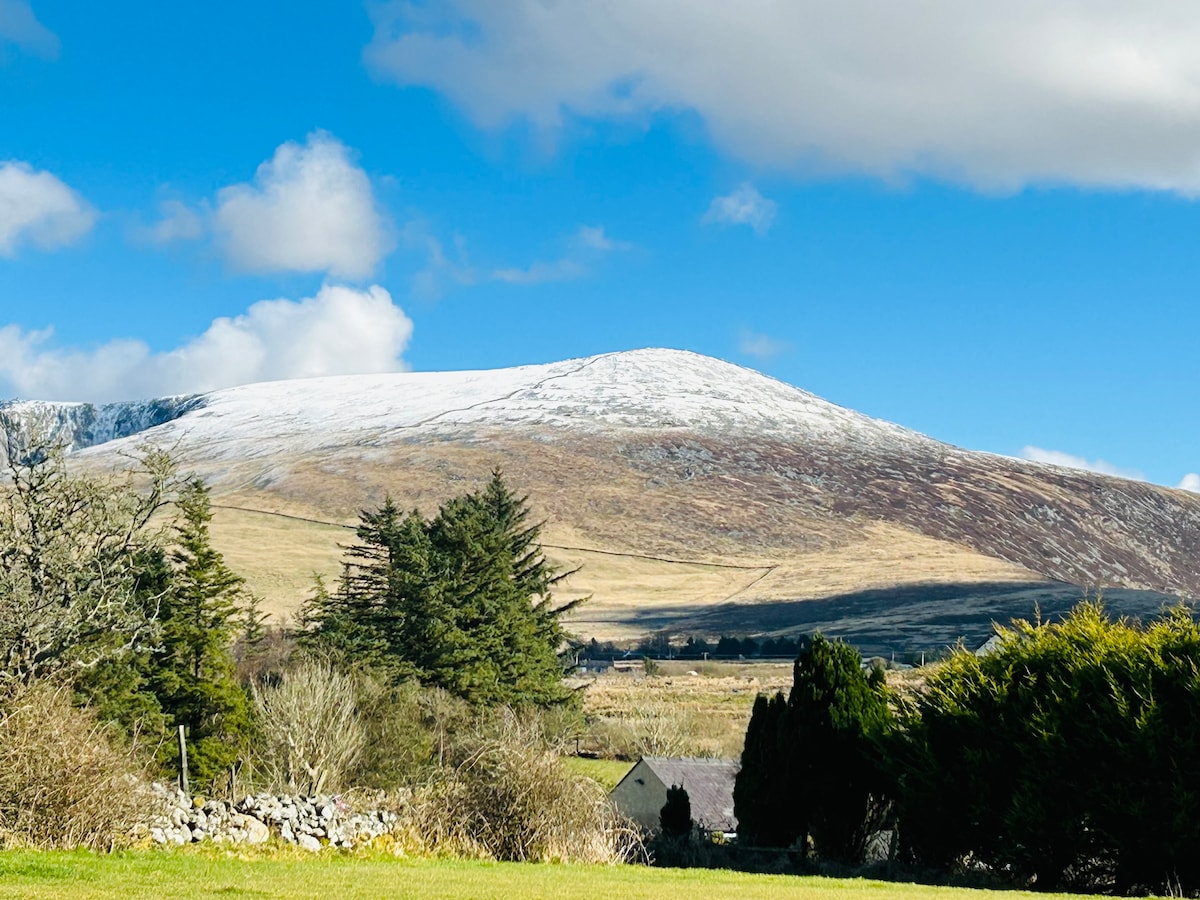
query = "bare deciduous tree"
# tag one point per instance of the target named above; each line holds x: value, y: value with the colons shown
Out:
x: 312, y: 733
x: 73, y: 549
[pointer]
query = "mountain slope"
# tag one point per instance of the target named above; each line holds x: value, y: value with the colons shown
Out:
x: 695, y: 494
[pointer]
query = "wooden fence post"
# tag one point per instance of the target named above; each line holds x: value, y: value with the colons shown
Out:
x: 183, y: 767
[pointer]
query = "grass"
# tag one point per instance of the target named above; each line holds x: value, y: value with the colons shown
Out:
x: 190, y: 874
x: 605, y: 772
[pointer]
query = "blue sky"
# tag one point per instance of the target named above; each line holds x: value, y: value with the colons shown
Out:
x: 979, y: 223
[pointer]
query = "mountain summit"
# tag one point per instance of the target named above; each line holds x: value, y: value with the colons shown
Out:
x: 696, y: 495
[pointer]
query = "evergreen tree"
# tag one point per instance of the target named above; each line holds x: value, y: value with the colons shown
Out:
x: 810, y: 768
x: 461, y: 601
x: 835, y: 780
x: 759, y: 802
x: 675, y: 817
x: 192, y: 672
x: 119, y: 688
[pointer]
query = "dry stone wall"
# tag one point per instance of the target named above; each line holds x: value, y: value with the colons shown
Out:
x: 309, y: 822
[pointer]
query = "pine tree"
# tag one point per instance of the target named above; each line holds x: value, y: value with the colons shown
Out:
x: 461, y: 601
x: 193, y: 672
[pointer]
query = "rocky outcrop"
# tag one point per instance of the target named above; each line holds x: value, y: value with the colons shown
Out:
x: 78, y: 425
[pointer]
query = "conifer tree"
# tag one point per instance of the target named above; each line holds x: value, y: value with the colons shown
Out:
x: 759, y: 802
x: 834, y: 778
x: 461, y: 601
x: 192, y: 672
x: 675, y: 817
x: 810, y: 768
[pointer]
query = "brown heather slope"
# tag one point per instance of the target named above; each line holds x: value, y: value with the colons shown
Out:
x: 897, y: 554
x: 693, y: 496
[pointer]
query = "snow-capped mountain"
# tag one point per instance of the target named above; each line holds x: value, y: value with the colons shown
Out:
x: 642, y: 390
x: 694, y: 492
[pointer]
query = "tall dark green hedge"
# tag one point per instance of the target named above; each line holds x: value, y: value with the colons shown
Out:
x: 1068, y: 758
x: 811, y: 766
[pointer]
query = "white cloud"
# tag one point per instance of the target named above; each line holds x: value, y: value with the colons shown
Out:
x: 760, y: 346
x: 592, y: 237
x: 744, y: 206
x: 541, y: 272
x: 1058, y: 458
x: 20, y: 26
x: 1191, y: 482
x: 441, y: 268
x: 309, y: 209
x: 993, y: 95
x: 339, y: 331
x: 37, y: 208
x: 177, y: 222
x: 586, y: 246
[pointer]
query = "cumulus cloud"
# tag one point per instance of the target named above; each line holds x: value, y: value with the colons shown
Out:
x: 340, y: 331
x: 37, y: 208
x: 744, y: 206
x: 760, y: 346
x: 1058, y: 458
x: 18, y: 25
x: 177, y: 222
x: 585, y: 247
x: 993, y: 95
x: 309, y: 209
x: 1191, y: 482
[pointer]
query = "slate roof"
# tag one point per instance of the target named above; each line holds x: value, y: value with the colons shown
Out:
x: 709, y: 784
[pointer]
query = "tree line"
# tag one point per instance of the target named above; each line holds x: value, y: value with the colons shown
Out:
x: 663, y: 645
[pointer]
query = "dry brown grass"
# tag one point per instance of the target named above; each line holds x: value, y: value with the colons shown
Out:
x: 66, y: 780
x: 510, y: 797
x: 678, y: 714
x: 696, y: 554
x: 629, y: 595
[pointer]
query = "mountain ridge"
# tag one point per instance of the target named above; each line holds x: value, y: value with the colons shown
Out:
x: 665, y: 453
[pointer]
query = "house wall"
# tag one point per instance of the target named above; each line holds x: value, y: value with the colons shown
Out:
x: 640, y: 796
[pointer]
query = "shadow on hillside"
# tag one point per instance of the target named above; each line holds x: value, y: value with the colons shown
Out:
x: 912, y: 618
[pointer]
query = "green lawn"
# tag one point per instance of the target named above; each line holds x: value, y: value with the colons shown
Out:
x: 182, y: 874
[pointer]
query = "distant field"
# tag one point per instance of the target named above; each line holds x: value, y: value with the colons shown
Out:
x: 183, y: 875
x: 605, y: 772
x: 705, y: 713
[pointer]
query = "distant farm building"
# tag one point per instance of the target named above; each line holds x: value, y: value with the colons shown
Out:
x: 642, y: 793
x: 601, y: 666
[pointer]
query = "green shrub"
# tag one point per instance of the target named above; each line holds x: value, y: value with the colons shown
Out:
x: 675, y: 818
x: 409, y: 731
x: 1064, y: 758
